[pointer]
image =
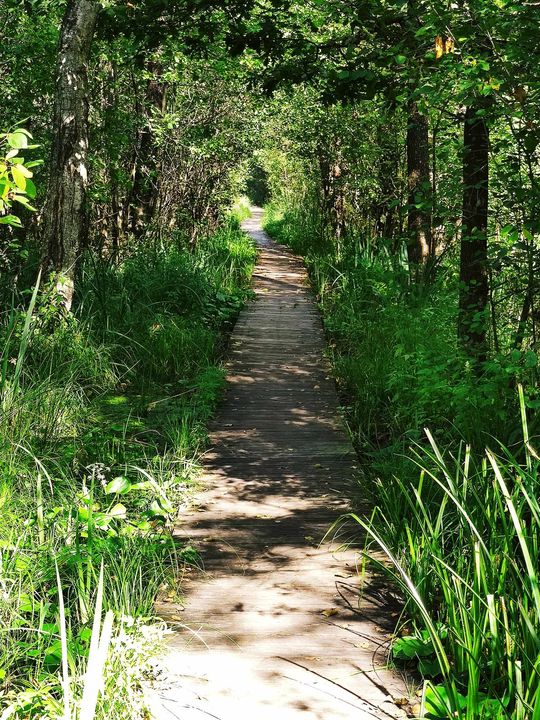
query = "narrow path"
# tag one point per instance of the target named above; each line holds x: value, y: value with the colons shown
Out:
x: 269, y: 630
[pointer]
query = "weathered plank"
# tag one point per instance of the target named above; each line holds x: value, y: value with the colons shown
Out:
x: 274, y: 625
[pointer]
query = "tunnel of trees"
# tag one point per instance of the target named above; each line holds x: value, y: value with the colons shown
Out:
x: 395, y: 146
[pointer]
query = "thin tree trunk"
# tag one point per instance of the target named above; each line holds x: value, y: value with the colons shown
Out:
x: 144, y: 190
x: 65, y: 218
x: 338, y: 200
x: 522, y: 323
x: 117, y: 218
x: 418, y: 218
x: 473, y: 291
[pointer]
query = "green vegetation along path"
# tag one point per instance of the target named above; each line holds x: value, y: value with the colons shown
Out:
x: 273, y: 628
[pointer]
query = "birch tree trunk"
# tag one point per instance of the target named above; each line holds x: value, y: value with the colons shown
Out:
x: 65, y: 219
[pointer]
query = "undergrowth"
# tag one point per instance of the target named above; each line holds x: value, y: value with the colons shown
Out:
x: 459, y: 524
x: 394, y: 351
x: 102, y: 418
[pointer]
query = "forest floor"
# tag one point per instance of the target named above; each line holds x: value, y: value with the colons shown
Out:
x: 274, y: 624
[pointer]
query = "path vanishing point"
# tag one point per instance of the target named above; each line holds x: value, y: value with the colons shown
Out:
x: 274, y: 627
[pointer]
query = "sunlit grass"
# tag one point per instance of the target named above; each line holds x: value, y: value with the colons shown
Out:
x: 463, y: 543
x: 102, y: 418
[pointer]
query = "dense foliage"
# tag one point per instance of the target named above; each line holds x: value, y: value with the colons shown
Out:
x: 110, y: 366
x: 415, y: 344
x: 396, y: 143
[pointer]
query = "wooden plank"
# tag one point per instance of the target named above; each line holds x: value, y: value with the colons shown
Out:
x: 274, y: 623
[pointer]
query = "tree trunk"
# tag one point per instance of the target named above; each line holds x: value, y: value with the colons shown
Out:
x: 65, y: 219
x: 144, y: 190
x: 111, y: 103
x: 419, y: 184
x: 473, y: 291
x: 338, y: 200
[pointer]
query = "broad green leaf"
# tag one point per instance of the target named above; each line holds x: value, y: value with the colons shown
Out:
x: 118, y: 486
x: 410, y: 646
x: 17, y: 139
x: 30, y: 189
x: 10, y: 220
x: 118, y: 511
x: 23, y: 200
x: 19, y: 178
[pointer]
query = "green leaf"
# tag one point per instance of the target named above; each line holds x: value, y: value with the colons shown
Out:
x: 23, y: 200
x: 30, y: 189
x: 18, y: 139
x: 26, y: 604
x: 118, y: 511
x: 19, y: 177
x: 438, y: 703
x: 406, y: 648
x: 118, y: 486
x: 145, y: 485
x: 10, y: 220
x: 156, y: 510
x: 429, y: 668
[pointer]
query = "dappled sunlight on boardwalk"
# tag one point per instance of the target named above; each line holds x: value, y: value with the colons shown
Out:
x: 274, y: 625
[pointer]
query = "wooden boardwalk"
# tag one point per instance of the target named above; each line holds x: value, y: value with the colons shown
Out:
x: 273, y: 627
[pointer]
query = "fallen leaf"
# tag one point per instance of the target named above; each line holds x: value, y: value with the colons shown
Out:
x: 364, y: 645
x: 329, y: 612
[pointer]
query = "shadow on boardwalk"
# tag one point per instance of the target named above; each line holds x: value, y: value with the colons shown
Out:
x: 274, y: 626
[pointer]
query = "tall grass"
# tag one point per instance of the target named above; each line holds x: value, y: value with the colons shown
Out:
x: 102, y: 417
x: 460, y: 526
x: 464, y: 546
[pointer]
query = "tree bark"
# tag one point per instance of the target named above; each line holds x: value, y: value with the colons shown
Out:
x: 65, y: 218
x: 419, y: 184
x: 117, y: 216
x: 144, y: 191
x: 332, y: 170
x: 473, y: 291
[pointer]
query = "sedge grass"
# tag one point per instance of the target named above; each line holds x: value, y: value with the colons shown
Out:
x: 464, y: 547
